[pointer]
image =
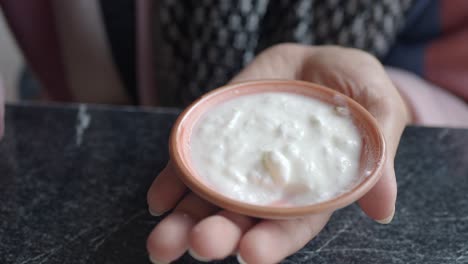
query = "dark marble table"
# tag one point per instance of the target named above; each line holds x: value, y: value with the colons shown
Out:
x: 73, y: 181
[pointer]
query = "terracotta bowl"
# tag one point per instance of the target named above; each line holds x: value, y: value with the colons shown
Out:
x: 372, y: 152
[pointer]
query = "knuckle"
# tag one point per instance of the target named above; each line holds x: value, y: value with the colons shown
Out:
x: 362, y: 56
x: 357, y: 56
x: 286, y: 48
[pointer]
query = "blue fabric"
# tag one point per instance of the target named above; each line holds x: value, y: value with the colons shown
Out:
x: 422, y: 25
x: 423, y: 22
x: 409, y: 57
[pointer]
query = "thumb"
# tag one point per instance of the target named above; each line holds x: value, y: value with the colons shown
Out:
x: 392, y: 117
x: 362, y: 77
x: 368, y: 84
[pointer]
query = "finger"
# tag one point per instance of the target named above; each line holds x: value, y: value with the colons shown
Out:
x: 218, y: 236
x: 379, y: 202
x: 165, y: 191
x: 170, y: 239
x: 271, y: 241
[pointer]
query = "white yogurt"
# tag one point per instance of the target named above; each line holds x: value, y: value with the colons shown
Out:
x: 277, y: 149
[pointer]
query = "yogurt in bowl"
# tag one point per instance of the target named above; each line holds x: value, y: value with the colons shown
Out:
x: 277, y: 149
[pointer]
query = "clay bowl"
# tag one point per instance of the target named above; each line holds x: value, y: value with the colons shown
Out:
x: 371, y: 160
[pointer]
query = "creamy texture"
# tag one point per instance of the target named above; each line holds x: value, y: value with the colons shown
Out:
x: 277, y: 149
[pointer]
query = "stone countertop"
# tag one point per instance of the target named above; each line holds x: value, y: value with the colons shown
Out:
x: 73, y: 183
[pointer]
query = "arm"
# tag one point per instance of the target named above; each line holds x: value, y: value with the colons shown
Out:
x: 32, y: 24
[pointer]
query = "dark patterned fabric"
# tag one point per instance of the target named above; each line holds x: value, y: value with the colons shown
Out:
x: 119, y: 17
x: 204, y: 43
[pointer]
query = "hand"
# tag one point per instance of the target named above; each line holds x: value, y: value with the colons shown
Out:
x: 211, y: 233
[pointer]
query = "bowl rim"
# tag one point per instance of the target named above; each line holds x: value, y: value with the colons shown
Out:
x: 264, y: 211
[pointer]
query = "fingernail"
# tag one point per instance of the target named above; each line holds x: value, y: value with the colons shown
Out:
x: 388, y: 219
x: 155, y: 261
x: 197, y: 257
x: 240, y: 259
x: 154, y: 213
